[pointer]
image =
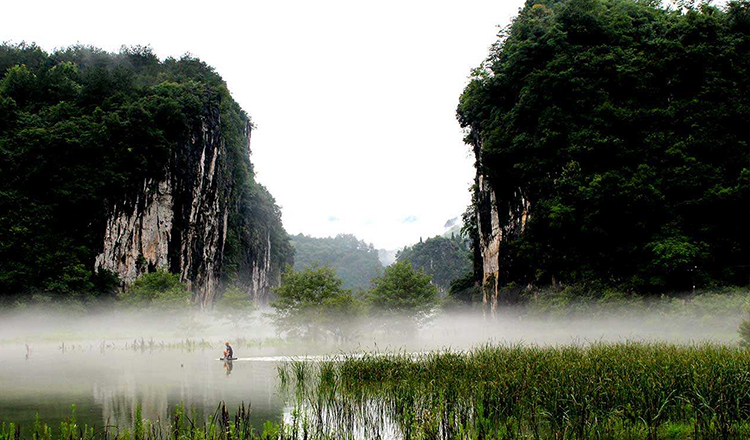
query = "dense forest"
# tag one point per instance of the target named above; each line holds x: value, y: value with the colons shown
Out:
x: 443, y: 258
x: 353, y: 260
x: 80, y: 130
x: 611, y: 142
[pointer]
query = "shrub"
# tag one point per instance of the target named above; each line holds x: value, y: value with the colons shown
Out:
x: 158, y: 289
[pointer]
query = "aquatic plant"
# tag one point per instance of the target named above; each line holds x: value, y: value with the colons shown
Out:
x: 627, y: 390
x: 221, y: 425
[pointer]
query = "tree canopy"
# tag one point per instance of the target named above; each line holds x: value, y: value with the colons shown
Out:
x: 623, y: 126
x: 354, y: 261
x: 443, y: 258
x: 311, y: 303
x: 82, y: 129
x: 158, y: 289
x: 404, y: 291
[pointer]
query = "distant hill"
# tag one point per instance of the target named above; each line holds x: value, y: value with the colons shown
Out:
x: 446, y: 259
x: 355, y: 261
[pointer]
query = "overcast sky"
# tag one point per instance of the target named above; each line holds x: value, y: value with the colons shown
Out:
x: 354, y: 101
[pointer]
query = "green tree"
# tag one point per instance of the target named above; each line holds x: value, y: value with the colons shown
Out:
x: 81, y: 130
x: 160, y: 289
x: 235, y: 304
x: 444, y: 258
x: 403, y: 293
x: 608, y: 135
x: 312, y: 304
x: 355, y: 261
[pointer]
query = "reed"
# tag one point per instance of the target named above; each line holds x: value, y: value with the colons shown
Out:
x: 221, y: 425
x: 601, y: 391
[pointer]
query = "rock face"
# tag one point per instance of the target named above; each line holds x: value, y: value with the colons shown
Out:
x: 500, y: 215
x: 180, y: 223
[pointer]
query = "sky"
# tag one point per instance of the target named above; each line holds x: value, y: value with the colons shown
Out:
x: 354, y: 101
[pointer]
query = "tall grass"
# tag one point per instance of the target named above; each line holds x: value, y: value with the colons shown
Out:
x: 603, y: 391
x: 221, y: 425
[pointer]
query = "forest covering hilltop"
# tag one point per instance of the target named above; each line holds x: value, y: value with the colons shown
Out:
x: 611, y: 142
x: 92, y: 141
x: 353, y: 260
x: 444, y: 258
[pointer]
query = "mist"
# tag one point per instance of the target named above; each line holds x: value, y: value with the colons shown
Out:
x: 108, y: 361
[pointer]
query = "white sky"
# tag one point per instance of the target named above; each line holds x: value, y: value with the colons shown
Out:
x: 354, y: 101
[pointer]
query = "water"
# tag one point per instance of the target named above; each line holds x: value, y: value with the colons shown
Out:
x: 106, y: 387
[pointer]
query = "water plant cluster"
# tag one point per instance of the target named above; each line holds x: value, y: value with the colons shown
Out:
x: 182, y: 425
x: 601, y: 391
x: 150, y: 345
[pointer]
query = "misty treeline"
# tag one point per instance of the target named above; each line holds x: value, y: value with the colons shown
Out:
x: 354, y: 261
x: 80, y: 130
x: 446, y: 259
x: 613, y: 136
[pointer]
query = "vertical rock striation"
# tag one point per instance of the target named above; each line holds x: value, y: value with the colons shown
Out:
x: 500, y: 216
x: 180, y: 223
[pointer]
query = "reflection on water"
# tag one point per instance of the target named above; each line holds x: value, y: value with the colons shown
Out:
x: 106, y: 388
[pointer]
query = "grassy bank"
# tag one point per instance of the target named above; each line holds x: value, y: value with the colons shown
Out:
x: 604, y: 391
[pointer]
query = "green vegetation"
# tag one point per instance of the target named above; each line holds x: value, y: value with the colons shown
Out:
x: 619, y: 127
x: 181, y: 424
x: 236, y: 305
x: 617, y: 391
x: 403, y: 292
x: 81, y: 130
x: 312, y: 304
x: 160, y: 289
x: 354, y: 261
x: 444, y: 258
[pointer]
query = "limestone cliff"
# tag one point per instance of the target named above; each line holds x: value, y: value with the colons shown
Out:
x: 180, y: 222
x: 499, y: 215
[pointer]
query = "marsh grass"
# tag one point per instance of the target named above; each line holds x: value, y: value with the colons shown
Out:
x: 221, y: 425
x: 601, y: 391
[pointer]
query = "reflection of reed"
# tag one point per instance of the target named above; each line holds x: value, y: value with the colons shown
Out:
x: 119, y: 402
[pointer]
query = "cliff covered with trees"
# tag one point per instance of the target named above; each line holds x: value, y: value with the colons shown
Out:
x: 115, y: 165
x: 611, y: 143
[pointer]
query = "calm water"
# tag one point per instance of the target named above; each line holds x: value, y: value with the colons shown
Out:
x: 106, y: 387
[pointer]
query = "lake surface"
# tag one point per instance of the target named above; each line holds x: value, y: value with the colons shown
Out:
x: 106, y: 387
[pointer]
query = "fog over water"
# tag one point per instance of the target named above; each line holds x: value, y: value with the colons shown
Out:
x: 106, y: 362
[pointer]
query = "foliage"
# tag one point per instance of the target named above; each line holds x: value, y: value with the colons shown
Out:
x: 354, y: 261
x: 160, y: 289
x: 621, y: 126
x: 445, y: 259
x: 234, y: 298
x: 235, y: 304
x: 403, y: 292
x: 311, y: 303
x: 221, y: 425
x: 80, y: 131
x: 613, y: 391
x: 465, y: 290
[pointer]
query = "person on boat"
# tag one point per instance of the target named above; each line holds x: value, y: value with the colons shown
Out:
x: 228, y: 352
